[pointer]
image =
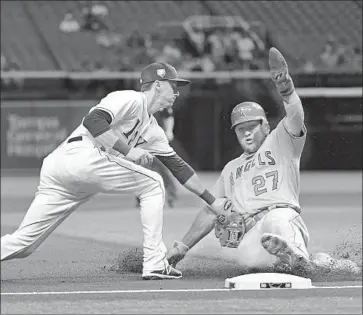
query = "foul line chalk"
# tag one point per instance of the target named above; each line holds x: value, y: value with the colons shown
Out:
x: 161, y: 291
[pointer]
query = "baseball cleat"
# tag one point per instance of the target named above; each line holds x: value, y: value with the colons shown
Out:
x: 168, y: 273
x: 290, y: 258
x: 279, y: 72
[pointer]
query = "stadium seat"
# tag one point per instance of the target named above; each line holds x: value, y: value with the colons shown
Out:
x: 303, y: 24
x: 20, y: 40
x: 30, y: 29
x: 69, y: 50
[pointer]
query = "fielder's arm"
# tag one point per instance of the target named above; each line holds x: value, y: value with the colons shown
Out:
x: 98, y: 124
x: 185, y: 174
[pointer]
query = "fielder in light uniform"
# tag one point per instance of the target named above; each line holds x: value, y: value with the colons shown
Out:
x: 263, y: 184
x: 106, y: 154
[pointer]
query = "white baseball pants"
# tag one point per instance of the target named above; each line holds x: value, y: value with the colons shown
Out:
x: 73, y: 174
x: 284, y: 222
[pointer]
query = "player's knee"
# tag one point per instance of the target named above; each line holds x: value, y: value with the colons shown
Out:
x: 274, y: 223
x: 25, y: 253
x: 155, y: 186
x: 16, y: 246
x: 158, y: 182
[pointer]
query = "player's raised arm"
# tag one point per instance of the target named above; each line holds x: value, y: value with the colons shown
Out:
x: 294, y: 122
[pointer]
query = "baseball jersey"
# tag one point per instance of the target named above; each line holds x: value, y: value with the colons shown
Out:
x: 132, y: 122
x: 267, y: 177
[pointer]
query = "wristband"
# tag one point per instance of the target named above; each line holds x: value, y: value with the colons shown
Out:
x: 207, y: 197
x: 184, y: 247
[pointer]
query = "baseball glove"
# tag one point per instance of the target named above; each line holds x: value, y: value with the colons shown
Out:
x: 230, y: 228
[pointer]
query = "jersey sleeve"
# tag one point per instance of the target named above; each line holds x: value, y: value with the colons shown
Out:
x: 291, y: 144
x: 158, y: 144
x: 119, y: 104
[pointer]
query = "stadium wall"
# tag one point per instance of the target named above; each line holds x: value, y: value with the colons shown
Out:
x: 32, y: 129
x: 35, y: 119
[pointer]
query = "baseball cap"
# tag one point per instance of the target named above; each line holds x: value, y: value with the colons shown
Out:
x: 161, y: 71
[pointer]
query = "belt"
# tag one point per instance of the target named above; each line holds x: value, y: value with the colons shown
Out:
x: 252, y: 220
x: 78, y: 138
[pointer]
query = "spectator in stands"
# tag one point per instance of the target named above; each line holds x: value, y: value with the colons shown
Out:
x: 99, y: 9
x: 89, y: 65
x: 214, y: 46
x: 245, y: 47
x: 351, y: 58
x: 8, y: 65
x: 357, y: 58
x: 308, y: 66
x: 11, y: 65
x: 190, y: 63
x: 136, y: 40
x: 331, y: 56
x: 108, y: 39
x: 206, y: 63
x: 86, y: 65
x: 153, y: 45
x: 91, y: 21
x: 198, y: 38
x: 230, y: 49
x: 171, y: 54
x: 100, y: 66
x: 69, y: 24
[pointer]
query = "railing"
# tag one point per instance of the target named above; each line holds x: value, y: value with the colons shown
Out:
x: 100, y: 74
x: 355, y: 91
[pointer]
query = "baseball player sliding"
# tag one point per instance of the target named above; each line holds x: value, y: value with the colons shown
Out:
x: 107, y: 154
x: 267, y: 230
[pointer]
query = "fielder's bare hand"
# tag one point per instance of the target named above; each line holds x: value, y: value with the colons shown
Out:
x: 139, y: 156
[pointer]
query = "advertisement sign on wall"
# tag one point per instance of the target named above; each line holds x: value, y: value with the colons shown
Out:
x: 31, y: 130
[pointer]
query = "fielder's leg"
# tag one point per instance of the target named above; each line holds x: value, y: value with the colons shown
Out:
x: 169, y: 182
x: 44, y: 215
x: 51, y: 206
x: 116, y: 175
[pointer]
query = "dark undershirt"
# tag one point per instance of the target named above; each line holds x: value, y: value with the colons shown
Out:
x: 98, y: 121
x: 178, y: 167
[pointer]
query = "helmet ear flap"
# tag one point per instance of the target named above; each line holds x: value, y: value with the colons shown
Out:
x: 265, y: 127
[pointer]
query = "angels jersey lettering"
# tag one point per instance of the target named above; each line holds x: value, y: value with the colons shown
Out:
x: 267, y: 177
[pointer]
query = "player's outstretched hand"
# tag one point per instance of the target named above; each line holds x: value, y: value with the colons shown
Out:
x: 177, y: 253
x: 139, y: 156
x: 279, y: 73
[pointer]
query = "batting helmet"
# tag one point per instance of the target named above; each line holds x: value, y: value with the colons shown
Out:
x: 247, y: 111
